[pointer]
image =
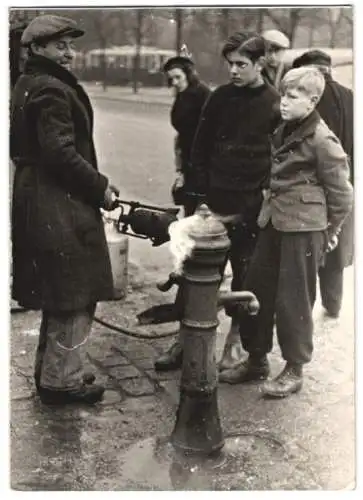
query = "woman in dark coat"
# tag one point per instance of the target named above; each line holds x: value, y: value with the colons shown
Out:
x: 336, y: 109
x: 191, y: 94
x: 61, y: 264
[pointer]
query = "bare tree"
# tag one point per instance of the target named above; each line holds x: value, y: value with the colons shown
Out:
x: 140, y: 13
x: 179, y: 29
x: 286, y: 20
x: 260, y: 20
x: 334, y: 18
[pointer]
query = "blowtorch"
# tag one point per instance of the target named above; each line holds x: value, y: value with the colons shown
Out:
x: 146, y: 221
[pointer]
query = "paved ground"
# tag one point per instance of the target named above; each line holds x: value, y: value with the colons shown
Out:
x: 82, y: 449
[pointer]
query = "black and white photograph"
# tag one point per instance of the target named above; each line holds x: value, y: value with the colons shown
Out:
x: 180, y: 216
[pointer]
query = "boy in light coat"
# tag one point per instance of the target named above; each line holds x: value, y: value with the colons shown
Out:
x: 307, y: 200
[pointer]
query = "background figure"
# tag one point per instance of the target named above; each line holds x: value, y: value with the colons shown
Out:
x: 17, y: 53
x: 336, y: 109
x: 274, y: 69
x: 190, y: 96
x: 61, y: 264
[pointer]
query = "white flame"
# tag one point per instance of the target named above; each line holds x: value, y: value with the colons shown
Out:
x: 181, y: 244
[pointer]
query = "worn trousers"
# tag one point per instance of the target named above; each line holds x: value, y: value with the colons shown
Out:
x: 243, y: 238
x: 331, y: 286
x: 58, y: 362
x: 282, y: 274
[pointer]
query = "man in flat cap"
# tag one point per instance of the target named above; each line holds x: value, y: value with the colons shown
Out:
x: 336, y: 109
x: 276, y: 45
x: 61, y: 264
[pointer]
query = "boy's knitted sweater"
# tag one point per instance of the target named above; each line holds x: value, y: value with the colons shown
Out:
x: 231, y: 149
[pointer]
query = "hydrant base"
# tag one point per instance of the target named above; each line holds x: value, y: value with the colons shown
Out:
x: 198, y: 429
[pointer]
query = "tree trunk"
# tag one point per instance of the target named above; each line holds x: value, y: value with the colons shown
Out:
x: 103, y: 63
x: 260, y: 20
x: 225, y: 22
x: 179, y: 30
x: 294, y: 23
x: 311, y: 34
x: 138, y: 40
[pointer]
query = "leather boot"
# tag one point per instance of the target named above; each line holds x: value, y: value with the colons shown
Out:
x: 85, y: 394
x: 87, y: 379
x: 253, y: 368
x: 289, y: 381
x: 172, y: 359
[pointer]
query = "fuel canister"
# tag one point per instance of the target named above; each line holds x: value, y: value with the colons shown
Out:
x: 118, y: 248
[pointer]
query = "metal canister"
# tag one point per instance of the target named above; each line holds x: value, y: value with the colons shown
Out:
x: 118, y: 248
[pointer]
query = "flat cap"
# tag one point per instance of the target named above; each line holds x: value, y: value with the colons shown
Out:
x: 277, y: 38
x: 49, y: 27
x: 312, y: 57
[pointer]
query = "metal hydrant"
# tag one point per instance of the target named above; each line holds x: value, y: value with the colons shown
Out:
x: 197, y: 428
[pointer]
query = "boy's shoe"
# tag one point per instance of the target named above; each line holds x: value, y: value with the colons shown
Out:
x: 172, y: 359
x: 289, y: 381
x: 246, y: 371
x: 85, y: 394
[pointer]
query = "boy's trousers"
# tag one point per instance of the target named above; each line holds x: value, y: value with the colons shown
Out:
x: 282, y: 274
x: 331, y: 286
x: 58, y: 363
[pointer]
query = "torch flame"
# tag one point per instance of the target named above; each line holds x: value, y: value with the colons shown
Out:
x: 181, y: 245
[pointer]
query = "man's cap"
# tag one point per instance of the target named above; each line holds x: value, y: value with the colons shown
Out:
x: 49, y: 27
x: 277, y: 38
x: 312, y: 57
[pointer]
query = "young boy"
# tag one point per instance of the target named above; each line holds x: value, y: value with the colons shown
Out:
x: 308, y: 199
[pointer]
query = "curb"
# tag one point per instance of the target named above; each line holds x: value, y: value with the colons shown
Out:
x: 130, y: 99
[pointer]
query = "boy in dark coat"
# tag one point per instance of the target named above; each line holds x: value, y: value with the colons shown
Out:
x: 308, y: 199
x: 231, y: 157
x: 61, y: 264
x: 336, y: 109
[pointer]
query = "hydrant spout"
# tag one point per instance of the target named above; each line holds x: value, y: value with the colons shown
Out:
x: 245, y: 298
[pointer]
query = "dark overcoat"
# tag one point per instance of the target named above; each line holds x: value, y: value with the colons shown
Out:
x: 336, y: 109
x: 60, y: 254
x: 184, y: 117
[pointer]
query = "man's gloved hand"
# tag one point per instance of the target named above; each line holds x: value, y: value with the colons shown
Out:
x: 110, y: 198
x: 332, y: 243
x: 179, y: 180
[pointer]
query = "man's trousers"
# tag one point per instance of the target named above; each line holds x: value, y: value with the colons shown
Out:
x: 58, y: 363
x: 282, y: 274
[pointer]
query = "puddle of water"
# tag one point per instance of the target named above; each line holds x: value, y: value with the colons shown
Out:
x: 247, y: 462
